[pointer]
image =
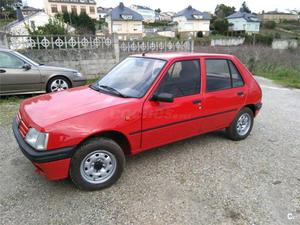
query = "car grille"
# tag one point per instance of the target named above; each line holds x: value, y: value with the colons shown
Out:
x: 23, y: 128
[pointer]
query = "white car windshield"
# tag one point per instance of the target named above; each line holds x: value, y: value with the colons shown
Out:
x: 132, y: 77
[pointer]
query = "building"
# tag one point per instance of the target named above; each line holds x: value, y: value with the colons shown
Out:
x: 28, y: 10
x: 278, y: 16
x: 20, y: 26
x: 53, y: 7
x: 245, y: 22
x: 192, y: 22
x: 103, y: 12
x: 149, y: 15
x: 166, y: 16
x: 125, y: 22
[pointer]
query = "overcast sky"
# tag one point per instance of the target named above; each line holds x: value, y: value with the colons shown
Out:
x: 204, y: 5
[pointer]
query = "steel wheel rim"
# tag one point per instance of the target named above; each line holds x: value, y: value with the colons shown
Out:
x: 243, y: 124
x: 98, y: 166
x: 58, y: 85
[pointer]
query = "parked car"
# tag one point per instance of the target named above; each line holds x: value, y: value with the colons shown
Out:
x: 21, y: 75
x: 144, y: 102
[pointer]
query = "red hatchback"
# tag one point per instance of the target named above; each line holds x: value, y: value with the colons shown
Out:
x: 144, y: 102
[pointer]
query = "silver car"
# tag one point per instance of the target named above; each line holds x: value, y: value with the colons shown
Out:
x: 21, y: 75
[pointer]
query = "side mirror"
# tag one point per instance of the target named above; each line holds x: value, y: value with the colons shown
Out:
x: 163, y: 97
x: 26, y: 66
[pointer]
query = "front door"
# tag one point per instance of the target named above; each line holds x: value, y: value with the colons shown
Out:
x: 164, y: 122
x: 15, y: 78
x: 224, y: 95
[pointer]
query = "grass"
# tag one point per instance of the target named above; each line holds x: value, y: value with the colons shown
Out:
x: 284, y: 76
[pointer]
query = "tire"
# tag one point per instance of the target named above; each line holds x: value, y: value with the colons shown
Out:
x: 235, y: 131
x: 58, y: 83
x: 97, y: 164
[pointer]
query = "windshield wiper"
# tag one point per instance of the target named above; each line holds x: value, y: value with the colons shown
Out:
x: 94, y: 87
x: 115, y: 91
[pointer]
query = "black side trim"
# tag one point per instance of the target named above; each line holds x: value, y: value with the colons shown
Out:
x: 258, y: 106
x: 40, y: 157
x: 182, y: 121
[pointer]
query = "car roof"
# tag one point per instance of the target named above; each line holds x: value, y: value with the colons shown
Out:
x: 5, y: 50
x: 181, y: 55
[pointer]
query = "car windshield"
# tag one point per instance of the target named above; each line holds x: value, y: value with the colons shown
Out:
x: 132, y: 77
x: 27, y: 59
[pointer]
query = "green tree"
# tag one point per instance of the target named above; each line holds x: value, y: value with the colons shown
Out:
x: 83, y: 23
x: 220, y: 25
x: 158, y: 10
x: 223, y: 10
x: 244, y: 8
x: 54, y: 27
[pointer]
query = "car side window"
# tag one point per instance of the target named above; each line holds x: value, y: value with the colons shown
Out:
x: 182, y: 79
x: 8, y: 60
x: 222, y: 74
x: 217, y: 75
x: 237, y: 80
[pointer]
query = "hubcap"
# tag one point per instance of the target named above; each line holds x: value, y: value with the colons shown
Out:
x: 58, y: 85
x: 98, y: 166
x: 243, y: 124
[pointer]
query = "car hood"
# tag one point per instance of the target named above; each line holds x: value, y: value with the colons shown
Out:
x: 55, y: 68
x: 44, y: 110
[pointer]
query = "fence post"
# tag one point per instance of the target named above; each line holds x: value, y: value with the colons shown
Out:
x: 3, y: 40
x: 191, y: 44
x: 116, y: 46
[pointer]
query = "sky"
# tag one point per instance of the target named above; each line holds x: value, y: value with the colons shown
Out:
x: 204, y: 5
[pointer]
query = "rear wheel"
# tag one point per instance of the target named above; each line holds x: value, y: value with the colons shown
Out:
x: 241, y: 126
x: 58, y: 84
x: 97, y: 164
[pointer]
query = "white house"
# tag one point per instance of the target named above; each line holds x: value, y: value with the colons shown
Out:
x: 125, y: 22
x: 148, y: 14
x: 35, y: 20
x: 192, y: 22
x: 242, y: 21
x: 103, y: 12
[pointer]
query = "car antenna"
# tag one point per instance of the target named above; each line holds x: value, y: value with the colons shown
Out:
x: 144, y: 53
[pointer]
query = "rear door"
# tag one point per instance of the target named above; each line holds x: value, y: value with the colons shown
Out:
x: 225, y: 93
x: 15, y: 78
x: 164, y: 122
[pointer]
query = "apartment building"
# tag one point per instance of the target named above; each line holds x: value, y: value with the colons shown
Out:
x: 53, y: 7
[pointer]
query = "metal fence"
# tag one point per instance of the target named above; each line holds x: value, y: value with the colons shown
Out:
x: 18, y: 42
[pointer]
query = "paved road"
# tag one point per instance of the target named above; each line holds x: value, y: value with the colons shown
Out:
x: 203, y: 180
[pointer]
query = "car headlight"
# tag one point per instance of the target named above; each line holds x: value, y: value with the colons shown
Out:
x: 78, y: 74
x: 36, y: 139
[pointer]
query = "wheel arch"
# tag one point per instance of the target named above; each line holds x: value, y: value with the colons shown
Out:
x: 56, y: 76
x: 252, y: 107
x: 116, y: 136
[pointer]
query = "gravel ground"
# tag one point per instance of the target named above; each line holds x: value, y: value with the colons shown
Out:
x: 202, y: 180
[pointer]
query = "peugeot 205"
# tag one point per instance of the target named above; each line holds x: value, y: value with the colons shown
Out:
x: 144, y: 102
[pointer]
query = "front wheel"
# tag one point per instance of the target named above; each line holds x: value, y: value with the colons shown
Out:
x: 58, y: 84
x: 97, y: 164
x: 241, y: 126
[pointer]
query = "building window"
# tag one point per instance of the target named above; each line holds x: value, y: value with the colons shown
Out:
x: 64, y: 8
x: 92, y: 10
x: 74, y: 9
x: 54, y: 9
x: 83, y: 9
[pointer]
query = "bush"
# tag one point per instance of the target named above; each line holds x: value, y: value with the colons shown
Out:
x: 259, y: 39
x: 269, y: 25
x: 83, y: 23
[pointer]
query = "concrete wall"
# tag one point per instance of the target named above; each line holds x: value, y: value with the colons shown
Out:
x: 284, y: 44
x: 90, y: 62
x: 227, y: 42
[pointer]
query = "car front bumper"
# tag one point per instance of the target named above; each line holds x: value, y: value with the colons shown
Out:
x: 77, y: 83
x: 53, y: 164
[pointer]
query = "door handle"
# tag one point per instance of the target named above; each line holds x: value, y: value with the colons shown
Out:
x: 241, y: 93
x: 197, y: 101
x: 2, y: 71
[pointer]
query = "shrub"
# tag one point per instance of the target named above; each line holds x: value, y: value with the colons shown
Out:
x: 269, y: 25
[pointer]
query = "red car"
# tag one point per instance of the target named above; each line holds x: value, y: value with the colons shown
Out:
x: 144, y: 102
